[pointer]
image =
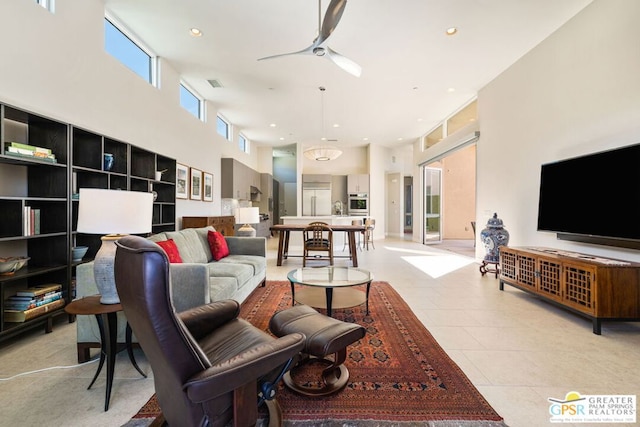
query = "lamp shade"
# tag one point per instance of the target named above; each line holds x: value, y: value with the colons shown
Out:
x: 248, y: 215
x: 322, y: 153
x: 114, y: 211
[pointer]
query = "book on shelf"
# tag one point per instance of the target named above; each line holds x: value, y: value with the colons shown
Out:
x: 18, y: 316
x: 36, y: 221
x: 28, y: 147
x: 31, y: 221
x: 38, y: 155
x: 39, y: 290
x: 25, y: 303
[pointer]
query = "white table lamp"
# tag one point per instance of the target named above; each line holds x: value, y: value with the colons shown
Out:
x: 247, y: 216
x: 115, y: 214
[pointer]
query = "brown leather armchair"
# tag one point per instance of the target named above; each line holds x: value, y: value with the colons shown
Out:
x: 209, y: 366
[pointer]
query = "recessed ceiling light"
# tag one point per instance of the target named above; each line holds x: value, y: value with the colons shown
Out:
x: 365, y: 139
x: 451, y: 89
x: 195, y: 32
x: 282, y: 138
x: 451, y: 31
x: 272, y: 125
x: 420, y: 120
x: 400, y: 139
x: 336, y: 125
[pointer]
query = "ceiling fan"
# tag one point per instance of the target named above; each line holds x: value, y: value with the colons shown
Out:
x: 319, y: 46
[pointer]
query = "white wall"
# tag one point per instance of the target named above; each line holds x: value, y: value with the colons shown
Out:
x: 378, y: 157
x: 577, y: 92
x: 55, y: 65
x: 394, y: 225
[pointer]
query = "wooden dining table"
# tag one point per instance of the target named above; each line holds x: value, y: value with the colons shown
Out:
x: 284, y: 231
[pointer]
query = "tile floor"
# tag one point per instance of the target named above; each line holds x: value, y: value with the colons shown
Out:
x: 516, y: 349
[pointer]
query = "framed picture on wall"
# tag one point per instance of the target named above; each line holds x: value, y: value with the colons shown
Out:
x: 207, y: 187
x: 196, y: 184
x: 182, y: 181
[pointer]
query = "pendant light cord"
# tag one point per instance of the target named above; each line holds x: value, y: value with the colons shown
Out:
x: 322, y: 89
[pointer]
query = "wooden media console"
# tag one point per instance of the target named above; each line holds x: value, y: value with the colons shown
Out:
x: 594, y: 287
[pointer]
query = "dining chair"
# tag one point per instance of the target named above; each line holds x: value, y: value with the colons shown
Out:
x: 370, y: 225
x: 318, y: 237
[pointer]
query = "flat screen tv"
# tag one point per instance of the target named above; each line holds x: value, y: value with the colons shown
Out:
x: 593, y: 198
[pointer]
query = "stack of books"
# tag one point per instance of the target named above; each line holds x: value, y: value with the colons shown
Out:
x: 33, y: 302
x: 18, y: 149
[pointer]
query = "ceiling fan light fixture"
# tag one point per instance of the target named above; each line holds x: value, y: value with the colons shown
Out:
x: 322, y: 153
x: 319, y: 45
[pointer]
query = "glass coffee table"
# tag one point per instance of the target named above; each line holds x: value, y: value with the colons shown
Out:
x: 330, y: 287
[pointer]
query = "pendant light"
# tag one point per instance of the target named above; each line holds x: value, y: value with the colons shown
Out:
x: 322, y: 153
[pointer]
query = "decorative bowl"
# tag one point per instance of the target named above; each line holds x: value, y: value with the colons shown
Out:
x: 12, y: 264
x: 78, y: 252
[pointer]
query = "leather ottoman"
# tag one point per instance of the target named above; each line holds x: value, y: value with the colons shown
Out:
x: 324, y: 336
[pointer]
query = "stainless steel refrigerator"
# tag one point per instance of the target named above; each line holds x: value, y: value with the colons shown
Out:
x: 316, y: 199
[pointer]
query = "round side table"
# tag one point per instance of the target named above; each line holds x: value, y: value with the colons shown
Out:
x: 106, y: 315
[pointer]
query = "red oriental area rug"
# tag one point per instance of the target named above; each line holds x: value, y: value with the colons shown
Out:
x: 399, y: 375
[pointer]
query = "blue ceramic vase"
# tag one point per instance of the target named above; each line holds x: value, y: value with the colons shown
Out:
x: 108, y: 161
x: 493, y: 237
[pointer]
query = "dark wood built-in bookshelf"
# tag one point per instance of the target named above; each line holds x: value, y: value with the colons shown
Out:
x: 51, y: 186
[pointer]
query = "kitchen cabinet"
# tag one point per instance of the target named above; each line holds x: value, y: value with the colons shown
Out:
x: 323, y: 178
x: 266, y: 198
x: 237, y: 180
x: 358, y: 183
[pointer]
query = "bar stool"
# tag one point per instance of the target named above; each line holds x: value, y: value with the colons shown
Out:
x: 370, y: 225
x: 346, y: 235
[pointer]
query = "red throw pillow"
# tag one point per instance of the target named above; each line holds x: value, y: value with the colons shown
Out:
x: 218, y: 245
x: 171, y: 250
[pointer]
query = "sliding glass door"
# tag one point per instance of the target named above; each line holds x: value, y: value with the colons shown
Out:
x: 432, y: 205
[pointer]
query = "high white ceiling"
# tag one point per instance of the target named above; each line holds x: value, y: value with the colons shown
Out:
x: 413, y: 74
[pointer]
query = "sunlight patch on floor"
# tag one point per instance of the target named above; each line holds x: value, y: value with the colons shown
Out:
x: 438, y: 265
x: 426, y: 252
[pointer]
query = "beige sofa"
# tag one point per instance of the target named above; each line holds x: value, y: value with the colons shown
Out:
x: 198, y: 280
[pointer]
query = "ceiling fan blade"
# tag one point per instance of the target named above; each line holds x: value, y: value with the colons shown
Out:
x: 343, y: 62
x: 331, y: 18
x: 307, y: 51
